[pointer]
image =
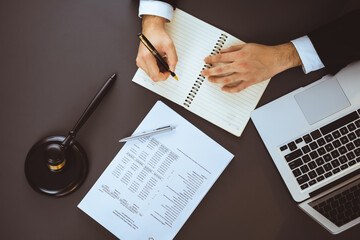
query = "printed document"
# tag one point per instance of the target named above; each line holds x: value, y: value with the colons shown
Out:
x: 153, y: 184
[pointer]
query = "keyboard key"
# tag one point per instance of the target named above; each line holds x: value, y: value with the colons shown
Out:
x: 302, y: 179
x: 357, y: 132
x: 358, y: 159
x: 320, y: 161
x: 306, y: 149
x: 351, y: 127
x: 328, y: 174
x: 335, y: 163
x: 312, y: 182
x: 342, y: 159
x: 351, y: 136
x: 357, y: 152
x: 342, y: 200
x: 357, y: 192
x: 342, y: 150
x: 296, y: 172
x: 329, y: 138
x: 306, y: 158
x: 315, y: 134
x: 357, y: 123
x: 327, y: 167
x: 299, y: 140
x: 304, y: 169
x: 321, y: 151
x: 320, y: 170
x: 291, y: 156
x: 314, y: 155
x: 313, y: 145
x: 352, y: 162
x: 320, y: 178
x: 329, y: 147
x: 304, y: 186
x: 292, y: 146
x: 296, y: 163
x: 344, y: 140
x: 307, y: 138
x: 350, y: 197
x: 344, y: 166
x: 312, y: 174
x: 357, y: 142
x: 321, y: 141
x: 337, y: 196
x: 312, y: 165
x: 350, y: 155
x: 336, y: 170
x: 336, y: 143
x: 350, y: 146
x: 327, y: 157
x: 335, y: 154
x: 344, y: 130
x: 339, y: 123
x: 336, y: 134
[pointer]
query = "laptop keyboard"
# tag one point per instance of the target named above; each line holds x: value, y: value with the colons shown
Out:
x: 326, y: 151
x: 341, y: 206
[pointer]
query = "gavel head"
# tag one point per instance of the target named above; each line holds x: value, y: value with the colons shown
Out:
x: 55, y: 157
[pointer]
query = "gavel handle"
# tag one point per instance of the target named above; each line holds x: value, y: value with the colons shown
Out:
x: 88, y: 111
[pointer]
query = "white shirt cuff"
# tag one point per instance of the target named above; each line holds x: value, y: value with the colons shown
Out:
x: 157, y: 8
x: 308, y: 55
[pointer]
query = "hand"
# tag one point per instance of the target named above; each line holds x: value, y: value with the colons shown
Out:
x: 248, y: 64
x: 153, y: 27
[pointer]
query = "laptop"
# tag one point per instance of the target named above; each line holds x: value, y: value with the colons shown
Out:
x: 313, y: 137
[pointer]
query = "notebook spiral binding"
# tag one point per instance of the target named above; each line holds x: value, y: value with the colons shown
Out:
x: 200, y: 79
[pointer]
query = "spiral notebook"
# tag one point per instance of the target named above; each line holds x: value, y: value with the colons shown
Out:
x: 194, y: 40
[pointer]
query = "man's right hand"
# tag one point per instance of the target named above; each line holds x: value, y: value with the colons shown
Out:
x: 153, y: 27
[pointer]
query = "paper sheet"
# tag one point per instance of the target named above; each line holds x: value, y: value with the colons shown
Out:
x: 154, y: 184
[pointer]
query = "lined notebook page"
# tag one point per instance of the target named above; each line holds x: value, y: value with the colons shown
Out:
x: 194, y: 40
x: 230, y: 111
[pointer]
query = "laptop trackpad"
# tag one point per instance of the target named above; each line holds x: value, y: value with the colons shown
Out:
x: 322, y: 100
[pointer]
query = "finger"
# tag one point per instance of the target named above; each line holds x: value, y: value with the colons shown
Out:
x: 141, y: 64
x: 235, y: 77
x: 237, y: 88
x: 140, y: 58
x: 226, y: 57
x: 171, y: 56
x: 232, y: 48
x: 153, y: 70
x: 224, y: 69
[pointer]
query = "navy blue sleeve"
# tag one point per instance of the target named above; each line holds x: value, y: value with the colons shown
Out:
x: 171, y: 2
x: 338, y: 43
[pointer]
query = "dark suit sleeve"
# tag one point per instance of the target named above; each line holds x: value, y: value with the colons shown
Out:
x: 171, y: 2
x: 338, y: 43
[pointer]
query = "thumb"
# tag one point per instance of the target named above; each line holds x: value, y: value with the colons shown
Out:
x: 237, y: 88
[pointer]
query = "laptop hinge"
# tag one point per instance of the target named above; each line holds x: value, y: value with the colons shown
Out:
x: 334, y: 183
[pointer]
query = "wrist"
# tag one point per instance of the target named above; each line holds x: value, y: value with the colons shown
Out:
x: 153, y: 22
x: 287, y: 56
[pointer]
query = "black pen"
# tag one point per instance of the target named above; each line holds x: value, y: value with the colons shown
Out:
x: 156, y: 54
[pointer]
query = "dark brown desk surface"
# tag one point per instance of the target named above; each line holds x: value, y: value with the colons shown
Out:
x: 54, y: 55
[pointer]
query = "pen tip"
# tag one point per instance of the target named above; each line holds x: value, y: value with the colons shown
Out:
x: 176, y: 78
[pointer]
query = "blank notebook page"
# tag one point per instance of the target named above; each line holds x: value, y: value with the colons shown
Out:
x: 194, y: 40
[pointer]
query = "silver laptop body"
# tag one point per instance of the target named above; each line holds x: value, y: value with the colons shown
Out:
x: 313, y: 137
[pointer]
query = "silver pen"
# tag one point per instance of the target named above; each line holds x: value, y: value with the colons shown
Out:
x: 150, y: 133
